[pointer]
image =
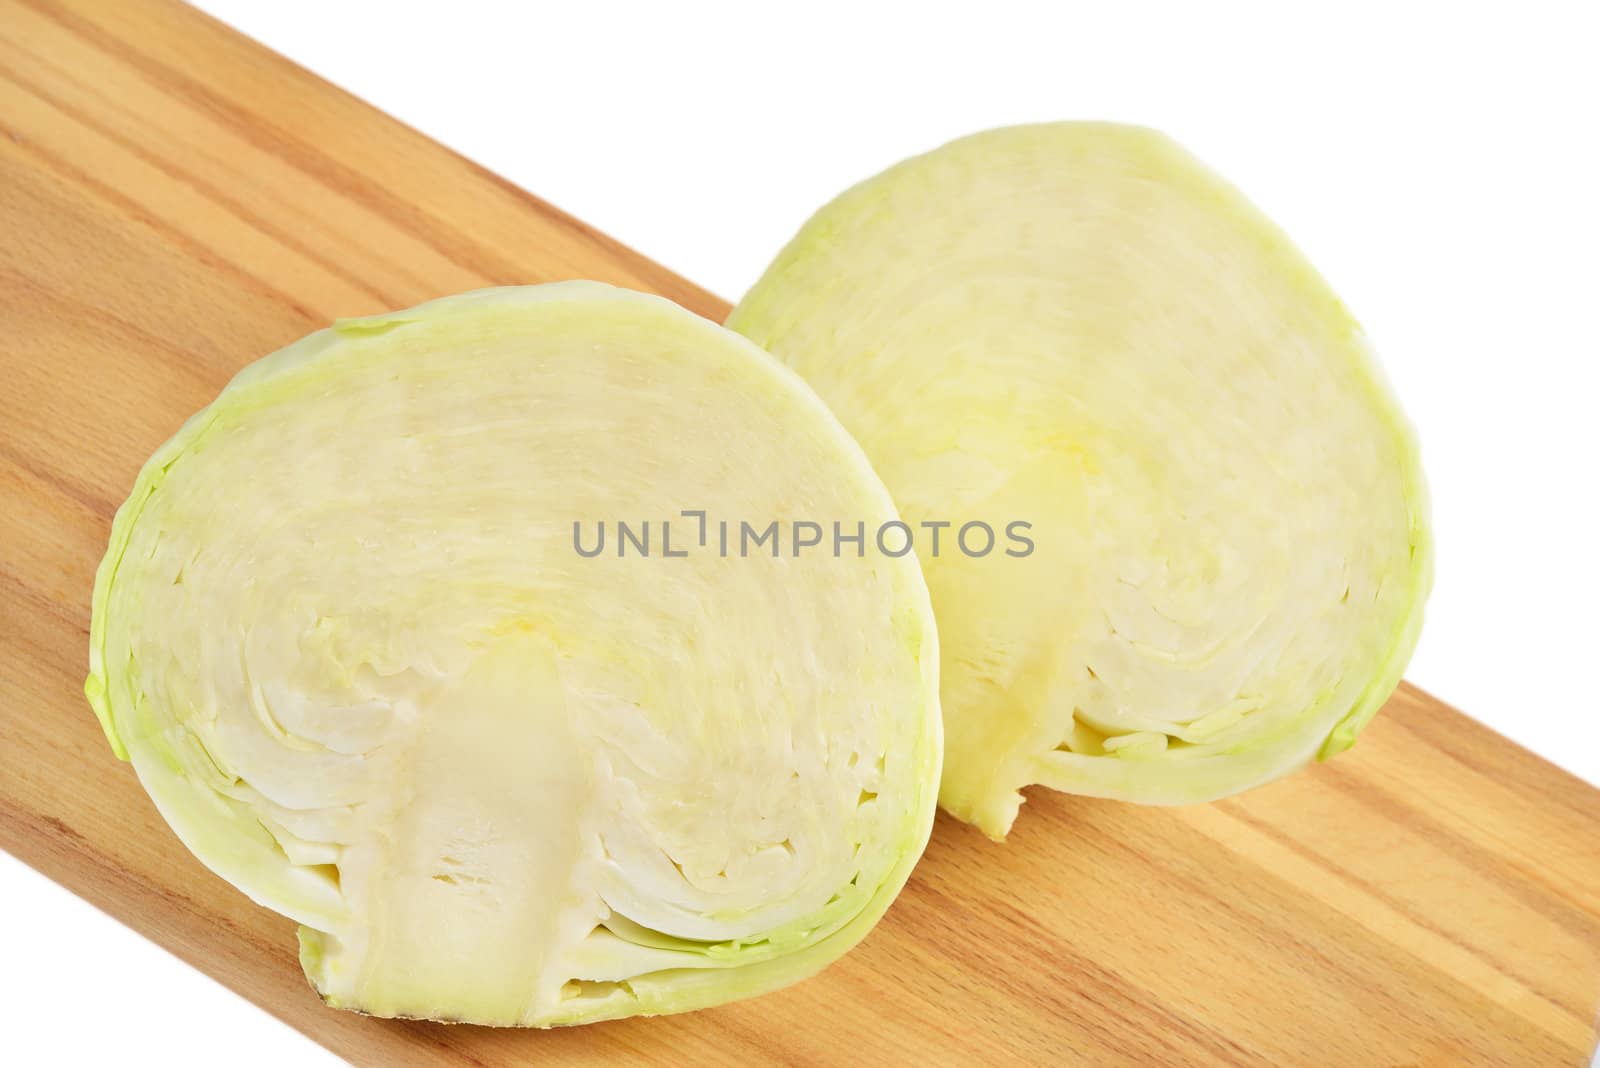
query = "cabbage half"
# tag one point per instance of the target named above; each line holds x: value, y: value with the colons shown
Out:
x: 343, y: 634
x: 1080, y: 327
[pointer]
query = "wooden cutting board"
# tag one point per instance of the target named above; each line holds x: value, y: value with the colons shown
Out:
x: 175, y: 201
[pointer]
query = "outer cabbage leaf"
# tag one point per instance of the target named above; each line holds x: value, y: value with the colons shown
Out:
x: 1081, y: 327
x: 344, y: 636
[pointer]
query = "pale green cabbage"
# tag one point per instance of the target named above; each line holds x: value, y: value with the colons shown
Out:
x: 342, y: 633
x: 1081, y: 327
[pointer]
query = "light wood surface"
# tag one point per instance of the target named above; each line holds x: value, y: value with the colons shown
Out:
x: 175, y: 201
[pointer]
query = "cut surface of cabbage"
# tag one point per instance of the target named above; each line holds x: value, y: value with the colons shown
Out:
x: 1079, y: 326
x: 344, y: 636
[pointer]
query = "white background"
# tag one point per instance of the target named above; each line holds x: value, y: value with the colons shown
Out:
x: 1438, y: 163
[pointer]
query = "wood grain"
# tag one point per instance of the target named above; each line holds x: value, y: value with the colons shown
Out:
x: 175, y: 201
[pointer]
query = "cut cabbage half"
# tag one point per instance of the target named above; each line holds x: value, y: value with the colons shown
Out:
x: 1080, y: 327
x: 343, y: 633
